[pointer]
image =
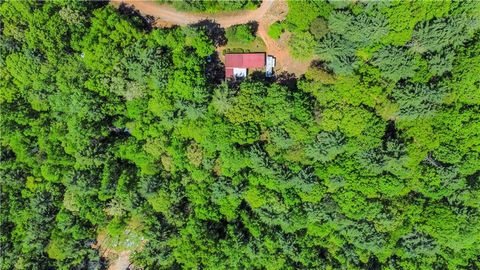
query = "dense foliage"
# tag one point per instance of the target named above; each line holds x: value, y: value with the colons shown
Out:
x: 212, y: 5
x: 371, y: 160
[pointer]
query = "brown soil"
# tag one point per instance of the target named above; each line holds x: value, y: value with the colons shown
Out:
x: 269, y: 12
x: 167, y: 13
x: 117, y: 260
x: 122, y: 261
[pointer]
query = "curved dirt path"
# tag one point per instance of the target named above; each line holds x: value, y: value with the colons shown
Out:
x: 269, y: 12
x: 169, y: 14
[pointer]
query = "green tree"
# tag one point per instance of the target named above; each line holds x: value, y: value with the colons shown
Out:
x: 440, y: 33
x: 319, y: 28
x: 240, y: 33
x: 395, y: 63
x: 301, y: 45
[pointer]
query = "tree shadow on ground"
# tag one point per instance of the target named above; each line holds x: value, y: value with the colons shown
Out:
x: 287, y: 79
x: 253, y: 25
x: 134, y: 16
x: 98, y: 4
x: 473, y: 180
x: 214, y: 69
x: 257, y: 76
x: 319, y: 64
x: 213, y: 30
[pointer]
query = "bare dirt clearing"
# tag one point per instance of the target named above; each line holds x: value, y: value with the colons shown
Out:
x: 269, y: 12
x: 169, y: 14
x: 118, y: 260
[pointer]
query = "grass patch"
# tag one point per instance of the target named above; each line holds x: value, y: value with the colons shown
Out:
x: 257, y: 45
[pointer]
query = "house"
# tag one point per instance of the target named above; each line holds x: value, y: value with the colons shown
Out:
x: 237, y: 64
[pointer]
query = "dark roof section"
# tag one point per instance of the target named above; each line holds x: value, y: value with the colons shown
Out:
x: 228, y: 72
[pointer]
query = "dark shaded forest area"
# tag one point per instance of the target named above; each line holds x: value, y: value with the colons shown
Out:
x: 370, y: 160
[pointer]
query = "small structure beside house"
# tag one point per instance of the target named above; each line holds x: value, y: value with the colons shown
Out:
x: 269, y: 66
x: 237, y: 64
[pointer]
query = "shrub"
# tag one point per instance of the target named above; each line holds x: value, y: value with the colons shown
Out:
x: 240, y: 33
x: 301, y: 45
x: 319, y: 74
x: 275, y: 30
x: 302, y: 13
x: 319, y: 28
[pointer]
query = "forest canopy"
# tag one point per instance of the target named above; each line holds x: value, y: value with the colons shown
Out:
x: 112, y: 130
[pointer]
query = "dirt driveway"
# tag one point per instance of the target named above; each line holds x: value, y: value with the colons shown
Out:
x: 269, y: 12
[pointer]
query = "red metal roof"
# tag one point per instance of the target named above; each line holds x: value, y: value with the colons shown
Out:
x: 245, y: 60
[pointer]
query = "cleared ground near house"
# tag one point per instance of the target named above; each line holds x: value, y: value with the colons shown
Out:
x: 269, y: 12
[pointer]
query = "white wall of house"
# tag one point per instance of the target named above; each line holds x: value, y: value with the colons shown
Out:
x: 240, y: 72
